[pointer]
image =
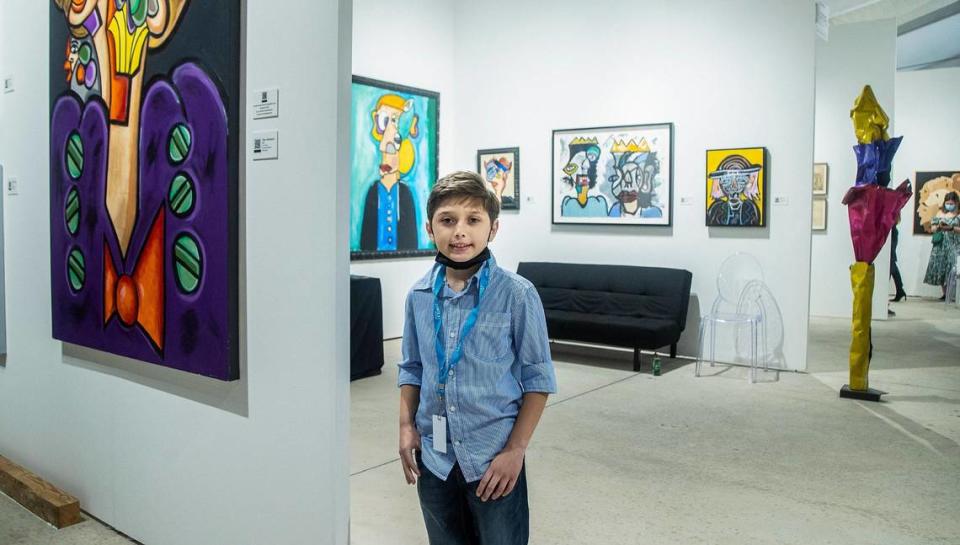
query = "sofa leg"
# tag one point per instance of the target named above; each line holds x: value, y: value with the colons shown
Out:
x: 673, y: 351
x: 636, y: 359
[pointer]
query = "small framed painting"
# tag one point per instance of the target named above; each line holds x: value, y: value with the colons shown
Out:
x: 820, y: 178
x: 501, y: 169
x: 819, y: 222
x: 736, y: 185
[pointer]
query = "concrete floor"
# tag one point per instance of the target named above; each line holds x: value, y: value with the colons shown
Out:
x: 621, y: 457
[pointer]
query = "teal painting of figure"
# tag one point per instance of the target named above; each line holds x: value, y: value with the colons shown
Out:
x: 393, y: 157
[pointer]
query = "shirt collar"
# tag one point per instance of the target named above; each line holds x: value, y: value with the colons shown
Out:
x: 427, y: 281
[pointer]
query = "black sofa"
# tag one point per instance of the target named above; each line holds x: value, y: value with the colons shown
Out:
x: 619, y: 305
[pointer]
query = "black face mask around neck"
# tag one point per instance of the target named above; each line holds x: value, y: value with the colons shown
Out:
x: 460, y: 265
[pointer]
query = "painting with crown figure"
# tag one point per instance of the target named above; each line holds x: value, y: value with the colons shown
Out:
x: 613, y: 175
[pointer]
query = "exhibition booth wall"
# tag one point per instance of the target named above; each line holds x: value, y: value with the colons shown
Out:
x: 856, y: 54
x: 528, y: 71
x: 927, y: 114
x: 171, y: 457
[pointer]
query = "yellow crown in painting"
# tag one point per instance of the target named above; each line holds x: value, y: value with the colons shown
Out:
x: 582, y: 140
x: 619, y: 146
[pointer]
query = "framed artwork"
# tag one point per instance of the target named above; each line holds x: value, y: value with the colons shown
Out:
x: 736, y: 187
x: 394, y: 162
x: 930, y: 188
x: 820, y: 178
x: 613, y: 175
x: 144, y: 180
x: 819, y: 222
x: 501, y: 169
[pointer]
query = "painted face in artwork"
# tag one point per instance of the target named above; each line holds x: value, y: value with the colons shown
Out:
x: 496, y: 172
x: 397, y: 153
x: 462, y: 229
x: 105, y: 57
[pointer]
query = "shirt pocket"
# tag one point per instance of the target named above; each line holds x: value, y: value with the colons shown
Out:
x: 491, y: 338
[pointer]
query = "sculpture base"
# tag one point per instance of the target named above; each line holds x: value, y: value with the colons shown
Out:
x: 864, y: 395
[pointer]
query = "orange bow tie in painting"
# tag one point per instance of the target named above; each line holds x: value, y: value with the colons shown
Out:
x: 138, y: 299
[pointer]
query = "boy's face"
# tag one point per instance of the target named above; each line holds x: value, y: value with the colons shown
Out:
x: 461, y: 229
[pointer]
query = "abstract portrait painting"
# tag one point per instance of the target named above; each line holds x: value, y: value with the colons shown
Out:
x: 393, y: 167
x: 613, y: 175
x: 736, y: 187
x: 501, y: 169
x: 144, y: 170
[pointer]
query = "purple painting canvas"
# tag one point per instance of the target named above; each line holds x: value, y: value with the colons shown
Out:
x: 143, y: 180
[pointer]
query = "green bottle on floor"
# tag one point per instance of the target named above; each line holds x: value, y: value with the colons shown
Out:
x: 656, y: 366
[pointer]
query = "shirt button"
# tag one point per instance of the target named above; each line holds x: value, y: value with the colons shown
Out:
x: 458, y: 443
x: 451, y: 373
x: 452, y: 335
x: 453, y: 409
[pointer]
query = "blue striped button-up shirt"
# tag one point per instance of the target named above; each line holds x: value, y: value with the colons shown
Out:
x: 506, y: 354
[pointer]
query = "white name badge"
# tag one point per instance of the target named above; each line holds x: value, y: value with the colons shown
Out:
x: 440, y: 434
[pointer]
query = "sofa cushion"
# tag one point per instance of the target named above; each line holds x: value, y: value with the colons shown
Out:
x: 619, y: 290
x: 611, y: 329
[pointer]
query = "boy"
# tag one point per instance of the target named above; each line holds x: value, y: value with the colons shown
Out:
x: 474, y: 378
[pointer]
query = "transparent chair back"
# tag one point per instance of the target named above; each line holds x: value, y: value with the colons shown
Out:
x: 757, y: 299
x: 735, y: 273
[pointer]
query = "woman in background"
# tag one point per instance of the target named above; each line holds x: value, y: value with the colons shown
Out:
x: 946, y: 243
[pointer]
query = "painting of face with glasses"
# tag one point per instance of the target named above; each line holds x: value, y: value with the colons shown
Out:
x: 736, y: 187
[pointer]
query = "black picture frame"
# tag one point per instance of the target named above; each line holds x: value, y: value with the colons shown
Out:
x: 511, y: 202
x: 664, y: 220
x: 433, y: 172
x: 764, y: 206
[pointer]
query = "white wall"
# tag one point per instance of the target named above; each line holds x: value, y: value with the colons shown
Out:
x: 172, y: 458
x: 410, y: 43
x: 525, y: 68
x: 928, y: 113
x: 857, y: 54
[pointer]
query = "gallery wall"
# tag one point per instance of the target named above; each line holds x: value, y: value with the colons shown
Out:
x: 409, y: 43
x: 928, y: 109
x: 568, y: 66
x: 856, y: 54
x: 165, y: 456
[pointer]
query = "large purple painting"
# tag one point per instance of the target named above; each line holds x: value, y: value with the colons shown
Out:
x: 144, y: 179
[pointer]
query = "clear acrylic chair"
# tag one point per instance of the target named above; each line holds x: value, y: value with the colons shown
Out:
x: 739, y: 303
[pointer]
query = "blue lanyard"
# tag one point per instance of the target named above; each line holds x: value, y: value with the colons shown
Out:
x: 446, y: 365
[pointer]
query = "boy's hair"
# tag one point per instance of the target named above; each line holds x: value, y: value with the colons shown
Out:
x: 463, y: 185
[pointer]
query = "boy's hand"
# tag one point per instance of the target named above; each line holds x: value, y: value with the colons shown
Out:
x: 409, y: 441
x: 502, y: 474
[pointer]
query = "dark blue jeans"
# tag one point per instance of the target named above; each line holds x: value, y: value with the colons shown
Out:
x: 454, y: 515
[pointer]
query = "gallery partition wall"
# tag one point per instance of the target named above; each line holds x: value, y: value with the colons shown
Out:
x: 178, y: 348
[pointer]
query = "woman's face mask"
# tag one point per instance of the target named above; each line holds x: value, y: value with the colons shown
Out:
x: 950, y: 207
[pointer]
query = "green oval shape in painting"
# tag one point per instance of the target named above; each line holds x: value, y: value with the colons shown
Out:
x: 187, y: 263
x: 84, y: 54
x: 138, y: 12
x: 76, y: 269
x: 179, y: 144
x: 181, y: 195
x: 74, y: 155
x: 72, y: 211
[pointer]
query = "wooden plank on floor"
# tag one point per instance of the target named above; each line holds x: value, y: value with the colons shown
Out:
x: 38, y: 496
